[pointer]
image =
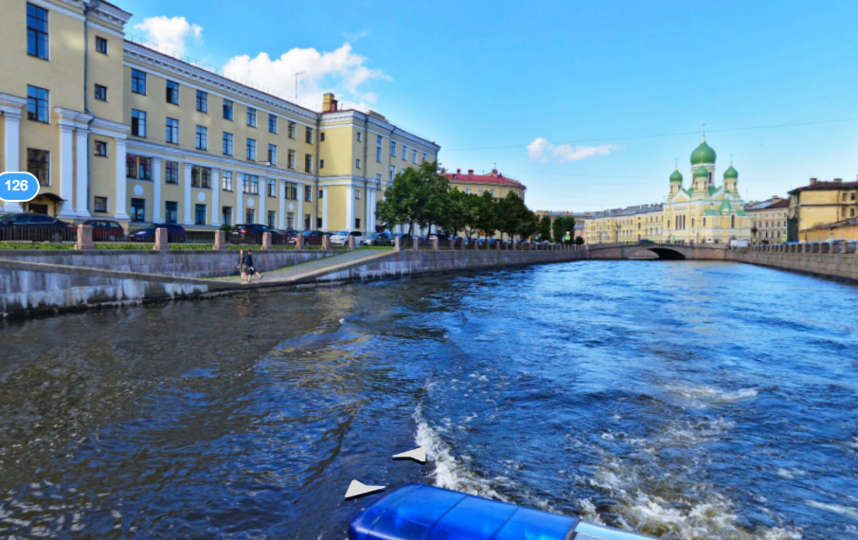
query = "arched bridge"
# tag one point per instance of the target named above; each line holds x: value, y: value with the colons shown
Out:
x: 715, y: 252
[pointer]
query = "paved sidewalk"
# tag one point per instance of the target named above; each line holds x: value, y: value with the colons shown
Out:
x: 324, y: 265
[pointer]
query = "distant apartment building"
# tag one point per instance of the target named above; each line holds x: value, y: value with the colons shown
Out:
x: 768, y: 220
x: 113, y: 128
x: 823, y: 210
x: 495, y: 183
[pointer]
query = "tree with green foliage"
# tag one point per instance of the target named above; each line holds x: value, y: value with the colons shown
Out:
x: 417, y: 196
x: 485, y: 218
x: 579, y: 240
x: 544, y: 229
x: 561, y: 226
x: 511, y: 215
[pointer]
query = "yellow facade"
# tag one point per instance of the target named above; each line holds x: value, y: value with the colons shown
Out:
x: 768, y: 220
x: 703, y: 212
x: 181, y: 167
x: 820, y: 208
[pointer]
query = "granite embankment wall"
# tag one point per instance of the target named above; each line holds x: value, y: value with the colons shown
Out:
x: 837, y: 260
x: 183, y: 263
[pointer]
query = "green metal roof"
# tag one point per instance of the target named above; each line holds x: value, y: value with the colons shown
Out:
x: 703, y: 154
x: 731, y: 173
x: 701, y: 172
x: 676, y: 176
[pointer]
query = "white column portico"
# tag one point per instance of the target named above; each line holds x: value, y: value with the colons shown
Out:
x: 121, y: 203
x: 156, y: 190
x: 66, y: 175
x: 82, y: 176
x: 350, y: 207
x: 324, y: 226
x: 187, y: 218
x: 216, y: 214
x: 11, y: 109
x: 238, y: 186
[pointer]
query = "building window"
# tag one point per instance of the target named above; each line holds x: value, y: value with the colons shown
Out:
x: 378, y: 149
x: 172, y: 172
x: 404, y: 152
x: 318, y: 223
x: 138, y: 82
x: 250, y: 184
x: 171, y: 212
x: 321, y: 193
x: 201, y: 177
x: 272, y: 123
x: 291, y: 191
x: 99, y: 204
x: 492, y: 192
x: 392, y: 172
x: 272, y: 219
x: 308, y: 221
x: 227, y: 143
x: 291, y: 158
x: 37, y: 104
x: 173, y: 92
x: 308, y: 194
x: 272, y: 187
x: 138, y: 209
x: 100, y: 92
x: 251, y: 150
x: 290, y: 220
x: 357, y: 163
x: 39, y: 165
x: 226, y: 215
x: 321, y: 163
x: 227, y: 110
x: 100, y: 148
x: 250, y: 216
x: 172, y: 131
x: 251, y: 117
x: 414, y: 156
x: 272, y: 154
x: 393, y: 148
x: 322, y: 137
x: 138, y: 123
x: 139, y: 167
x: 357, y: 223
x: 357, y: 194
x: 358, y: 136
x: 226, y: 180
x: 37, y: 31
x: 309, y: 135
x: 202, y: 138
x: 308, y: 163
x: 202, y: 101
x: 100, y: 45
x: 424, y: 158
x: 292, y: 130
x: 199, y: 214
x: 467, y: 191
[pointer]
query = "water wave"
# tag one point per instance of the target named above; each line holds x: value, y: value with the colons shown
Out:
x: 713, y: 395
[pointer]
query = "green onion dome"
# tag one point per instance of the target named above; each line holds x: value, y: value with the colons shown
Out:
x: 701, y: 172
x: 703, y: 154
x: 731, y: 173
x: 676, y: 176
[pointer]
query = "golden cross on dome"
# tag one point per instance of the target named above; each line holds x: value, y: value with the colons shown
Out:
x: 704, y: 131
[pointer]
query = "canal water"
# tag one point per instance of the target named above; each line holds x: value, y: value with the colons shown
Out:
x: 687, y: 400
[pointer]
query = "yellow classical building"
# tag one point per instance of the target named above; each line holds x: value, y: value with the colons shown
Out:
x: 113, y: 128
x: 768, y: 220
x: 495, y: 183
x: 823, y: 211
x: 702, y: 212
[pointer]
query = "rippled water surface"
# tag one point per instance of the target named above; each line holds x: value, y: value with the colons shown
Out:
x: 686, y: 400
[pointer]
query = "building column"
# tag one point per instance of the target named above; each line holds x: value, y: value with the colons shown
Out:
x: 121, y: 203
x: 156, y: 190
x: 187, y: 218
x: 263, y: 214
x: 238, y: 186
x: 350, y: 207
x: 10, y: 108
x: 281, y: 194
x: 216, y: 213
x: 66, y: 169
x: 324, y: 209
x: 81, y: 202
x: 366, y: 204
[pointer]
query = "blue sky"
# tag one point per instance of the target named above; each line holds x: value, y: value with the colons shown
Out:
x: 606, y: 77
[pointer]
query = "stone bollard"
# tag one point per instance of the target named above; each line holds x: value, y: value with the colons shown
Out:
x: 266, y: 241
x: 514, y: 245
x: 498, y: 245
x: 326, y: 242
x: 220, y: 241
x: 436, y: 243
x: 415, y: 243
x: 162, y: 241
x: 84, y: 237
x: 452, y: 243
x: 397, y: 243
x: 352, y: 243
x: 299, y: 242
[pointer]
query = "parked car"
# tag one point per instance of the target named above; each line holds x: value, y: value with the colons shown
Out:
x: 289, y: 233
x: 103, y: 230
x: 175, y: 233
x: 376, y: 239
x: 35, y: 227
x: 442, y: 237
x: 342, y: 238
x: 311, y: 238
x: 251, y: 233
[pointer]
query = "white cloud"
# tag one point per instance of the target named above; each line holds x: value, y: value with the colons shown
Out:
x: 543, y: 151
x: 341, y: 71
x: 171, y: 34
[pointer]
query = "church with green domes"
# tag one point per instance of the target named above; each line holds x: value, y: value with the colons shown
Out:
x: 700, y: 211
x: 704, y: 211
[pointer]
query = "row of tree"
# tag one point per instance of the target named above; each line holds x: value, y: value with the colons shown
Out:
x: 422, y: 196
x: 560, y: 230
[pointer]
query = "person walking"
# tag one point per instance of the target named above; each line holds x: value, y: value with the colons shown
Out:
x: 242, y: 266
x: 249, y: 268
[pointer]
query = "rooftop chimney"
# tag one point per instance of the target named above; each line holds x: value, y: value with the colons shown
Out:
x: 470, y: 171
x: 495, y: 173
x: 329, y: 104
x: 813, y: 181
x: 458, y: 171
x: 838, y: 180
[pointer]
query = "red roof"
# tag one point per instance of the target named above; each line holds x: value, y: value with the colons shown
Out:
x: 494, y: 178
